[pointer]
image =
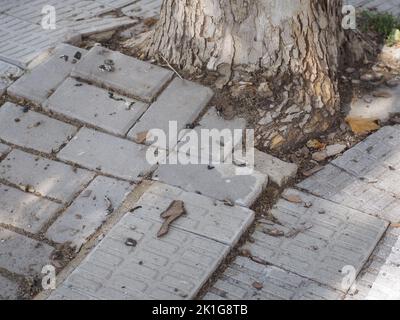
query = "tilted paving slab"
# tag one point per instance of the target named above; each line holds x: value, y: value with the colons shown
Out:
x: 375, y: 160
x: 335, y: 184
x: 22, y: 255
x: 236, y: 283
x: 182, y: 101
x: 8, y: 74
x: 38, y: 84
x: 173, y: 267
x: 4, y: 149
x: 32, y: 130
x: 130, y: 76
x: 95, y: 25
x: 88, y: 212
x: 380, y: 278
x: 95, y: 106
x: 25, y: 210
x: 111, y: 155
x: 278, y: 171
x: 8, y: 289
x: 48, y: 178
x: 320, y: 239
x: 215, y: 145
x: 204, y: 216
x: 221, y: 182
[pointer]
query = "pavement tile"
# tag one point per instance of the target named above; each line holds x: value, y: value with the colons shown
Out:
x: 48, y: 178
x: 88, y: 212
x: 32, y: 130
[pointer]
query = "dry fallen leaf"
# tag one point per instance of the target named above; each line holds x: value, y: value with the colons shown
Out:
x: 395, y: 225
x: 362, y: 126
x: 141, y: 137
x: 316, y: 144
x: 257, y: 285
x: 292, y: 198
x: 174, y: 211
x: 274, y: 232
x: 309, y: 173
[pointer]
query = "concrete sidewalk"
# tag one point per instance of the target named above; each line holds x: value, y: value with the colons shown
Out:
x: 75, y: 184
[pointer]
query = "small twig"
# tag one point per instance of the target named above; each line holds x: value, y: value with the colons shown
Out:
x: 171, y: 67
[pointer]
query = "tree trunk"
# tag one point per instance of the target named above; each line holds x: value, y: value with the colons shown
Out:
x: 295, y: 43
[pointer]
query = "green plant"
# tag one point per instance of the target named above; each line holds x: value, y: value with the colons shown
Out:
x: 383, y: 23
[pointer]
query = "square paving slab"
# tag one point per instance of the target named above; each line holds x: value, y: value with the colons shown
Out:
x: 49, y: 178
x: 25, y: 210
x: 128, y: 75
x: 95, y: 106
x: 317, y: 239
x: 182, y: 101
x: 380, y: 278
x: 38, y: 84
x: 204, y: 216
x: 111, y: 155
x: 335, y: 184
x: 237, y: 281
x: 23, y: 255
x: 376, y: 160
x: 87, y: 213
x: 173, y: 267
x: 32, y: 130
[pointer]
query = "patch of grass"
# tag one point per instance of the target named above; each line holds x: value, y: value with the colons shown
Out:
x: 385, y: 24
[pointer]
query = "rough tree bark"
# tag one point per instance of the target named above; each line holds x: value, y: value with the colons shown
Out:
x: 295, y: 42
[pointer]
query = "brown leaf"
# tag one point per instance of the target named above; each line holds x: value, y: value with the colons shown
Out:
x: 273, y: 232
x: 309, y: 173
x: 141, y: 137
x: 292, y: 198
x: 395, y: 225
x: 174, y: 211
x: 257, y: 285
x: 362, y: 126
x: 316, y: 144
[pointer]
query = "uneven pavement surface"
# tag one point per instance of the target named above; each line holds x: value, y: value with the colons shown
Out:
x: 73, y: 174
x: 70, y: 158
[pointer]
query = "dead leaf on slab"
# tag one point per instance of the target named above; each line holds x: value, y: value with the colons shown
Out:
x: 362, y: 126
x: 395, y: 225
x: 292, y: 198
x: 273, y: 232
x: 141, y: 137
x: 258, y: 285
x: 309, y: 173
x: 174, y: 211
